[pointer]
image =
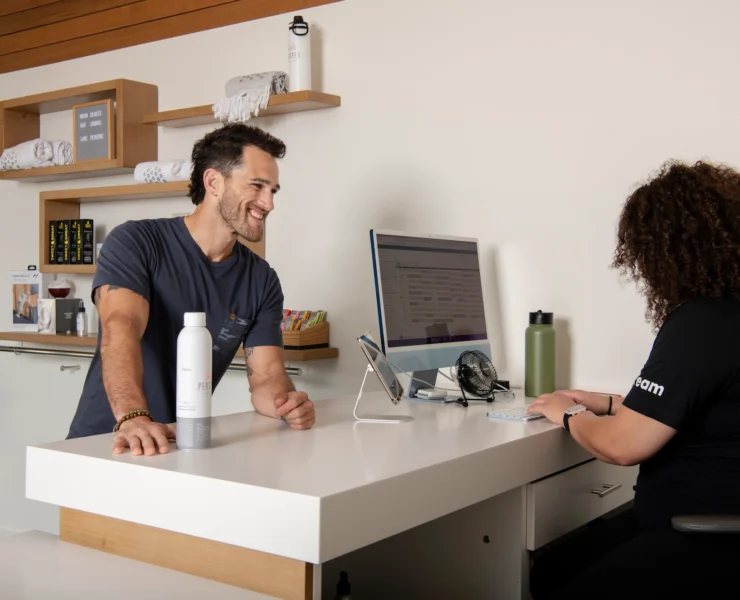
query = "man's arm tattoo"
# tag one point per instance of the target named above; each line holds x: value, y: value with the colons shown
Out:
x: 247, y: 353
x: 99, y: 291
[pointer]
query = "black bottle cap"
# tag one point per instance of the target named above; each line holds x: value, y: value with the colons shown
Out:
x: 540, y: 318
x: 343, y: 587
x: 298, y: 26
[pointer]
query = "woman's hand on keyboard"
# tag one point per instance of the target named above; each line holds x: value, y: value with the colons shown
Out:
x: 553, y: 406
x: 596, y: 403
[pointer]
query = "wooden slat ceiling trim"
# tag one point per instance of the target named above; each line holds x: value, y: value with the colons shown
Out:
x: 40, y: 32
x: 58, y: 12
x: 9, y: 7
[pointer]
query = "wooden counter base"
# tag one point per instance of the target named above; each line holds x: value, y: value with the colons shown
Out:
x: 257, y: 571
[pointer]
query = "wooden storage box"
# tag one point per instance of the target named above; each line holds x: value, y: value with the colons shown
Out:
x: 135, y: 142
x: 311, y: 338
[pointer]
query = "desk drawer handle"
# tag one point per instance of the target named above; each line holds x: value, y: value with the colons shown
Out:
x: 608, y: 489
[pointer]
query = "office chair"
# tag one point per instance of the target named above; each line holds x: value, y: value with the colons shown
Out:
x: 707, y: 523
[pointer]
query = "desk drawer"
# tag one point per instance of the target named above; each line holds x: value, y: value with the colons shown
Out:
x: 559, y: 504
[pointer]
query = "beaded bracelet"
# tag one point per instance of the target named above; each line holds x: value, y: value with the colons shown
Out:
x: 132, y: 414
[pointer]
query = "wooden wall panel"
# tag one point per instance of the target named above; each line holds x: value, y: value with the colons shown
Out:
x: 59, y: 12
x: 30, y: 38
x: 9, y: 7
x: 241, y: 567
x: 17, y: 127
x: 140, y: 11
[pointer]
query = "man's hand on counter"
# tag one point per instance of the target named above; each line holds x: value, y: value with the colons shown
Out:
x: 143, y: 437
x: 296, y: 409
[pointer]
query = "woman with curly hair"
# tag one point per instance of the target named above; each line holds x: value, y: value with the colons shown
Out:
x: 679, y: 240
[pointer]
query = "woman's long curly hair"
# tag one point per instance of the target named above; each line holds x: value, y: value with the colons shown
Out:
x: 679, y: 237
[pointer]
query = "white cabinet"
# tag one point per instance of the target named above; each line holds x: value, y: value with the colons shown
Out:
x: 563, y: 502
x: 37, y: 402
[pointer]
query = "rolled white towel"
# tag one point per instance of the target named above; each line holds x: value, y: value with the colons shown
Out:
x: 27, y: 155
x: 248, y: 94
x: 275, y: 81
x: 62, y: 152
x: 159, y: 171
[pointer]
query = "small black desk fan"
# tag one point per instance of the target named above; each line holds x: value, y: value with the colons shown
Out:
x: 477, y: 376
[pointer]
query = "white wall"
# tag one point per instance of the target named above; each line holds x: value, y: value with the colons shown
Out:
x: 524, y: 124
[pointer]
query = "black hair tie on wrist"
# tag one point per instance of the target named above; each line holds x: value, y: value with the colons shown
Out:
x: 609, y: 412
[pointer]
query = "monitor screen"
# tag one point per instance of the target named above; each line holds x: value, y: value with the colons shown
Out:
x: 430, y: 290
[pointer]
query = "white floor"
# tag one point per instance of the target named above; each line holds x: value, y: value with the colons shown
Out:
x: 37, y: 566
x: 6, y: 533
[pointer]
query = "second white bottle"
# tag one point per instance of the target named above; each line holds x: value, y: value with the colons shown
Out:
x: 194, y: 383
x: 299, y: 55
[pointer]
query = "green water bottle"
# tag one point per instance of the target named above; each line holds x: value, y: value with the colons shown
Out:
x: 539, y: 364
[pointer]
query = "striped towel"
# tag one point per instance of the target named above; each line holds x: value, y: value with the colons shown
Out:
x: 248, y: 94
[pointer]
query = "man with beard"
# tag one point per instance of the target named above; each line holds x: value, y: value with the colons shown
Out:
x: 151, y: 272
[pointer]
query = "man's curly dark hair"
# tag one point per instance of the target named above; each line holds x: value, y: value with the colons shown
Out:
x: 222, y: 149
x: 679, y: 237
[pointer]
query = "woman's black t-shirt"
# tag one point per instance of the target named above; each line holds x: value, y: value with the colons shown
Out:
x: 691, y: 382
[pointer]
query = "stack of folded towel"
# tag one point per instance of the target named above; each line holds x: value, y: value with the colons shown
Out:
x: 36, y: 153
x: 159, y: 171
x: 246, y: 95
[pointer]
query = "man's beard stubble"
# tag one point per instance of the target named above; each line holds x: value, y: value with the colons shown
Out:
x: 229, y: 209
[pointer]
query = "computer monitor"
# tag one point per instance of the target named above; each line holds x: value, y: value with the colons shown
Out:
x: 430, y: 302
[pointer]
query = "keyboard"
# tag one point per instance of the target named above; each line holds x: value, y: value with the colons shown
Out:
x: 518, y: 413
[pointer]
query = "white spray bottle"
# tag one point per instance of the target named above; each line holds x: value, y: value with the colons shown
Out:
x: 194, y: 378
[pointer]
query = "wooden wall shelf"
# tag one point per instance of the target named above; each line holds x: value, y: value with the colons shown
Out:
x: 65, y: 204
x: 91, y: 342
x: 279, y: 104
x: 47, y: 338
x: 311, y: 355
x: 68, y: 269
x: 135, y: 141
x: 101, y: 168
x: 58, y: 205
x: 137, y: 191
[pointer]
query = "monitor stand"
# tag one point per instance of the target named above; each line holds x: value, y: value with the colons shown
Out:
x: 422, y: 380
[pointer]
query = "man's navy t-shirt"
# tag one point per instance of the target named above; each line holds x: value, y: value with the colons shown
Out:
x: 159, y: 260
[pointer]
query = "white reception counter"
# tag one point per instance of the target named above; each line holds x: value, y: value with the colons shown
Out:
x: 300, y: 500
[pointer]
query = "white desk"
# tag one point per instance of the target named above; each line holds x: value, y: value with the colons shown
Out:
x: 318, y: 495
